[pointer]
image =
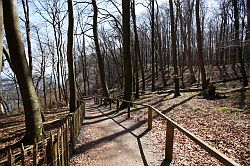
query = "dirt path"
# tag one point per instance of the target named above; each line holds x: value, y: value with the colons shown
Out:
x: 110, y: 139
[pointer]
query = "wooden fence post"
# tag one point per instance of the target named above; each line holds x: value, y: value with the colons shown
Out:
x: 128, y: 110
x: 150, y: 118
x: 10, y: 158
x: 48, y: 150
x: 35, y: 153
x: 62, y: 144
x: 84, y: 110
x: 110, y: 103
x: 66, y: 142
x: 44, y: 152
x: 117, y: 105
x: 79, y: 121
x: 72, y: 128
x: 58, y: 146
x: 22, y: 155
x: 105, y: 102
x: 169, y: 142
x: 52, y: 151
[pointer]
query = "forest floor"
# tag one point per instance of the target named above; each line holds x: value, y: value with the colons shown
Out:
x: 222, y: 123
x: 108, y: 138
x: 12, y: 126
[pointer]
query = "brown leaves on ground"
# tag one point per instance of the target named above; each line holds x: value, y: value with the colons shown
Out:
x: 224, y: 124
x: 12, y: 127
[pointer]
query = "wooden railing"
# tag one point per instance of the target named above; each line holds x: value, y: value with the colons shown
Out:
x: 171, y: 125
x: 53, y: 150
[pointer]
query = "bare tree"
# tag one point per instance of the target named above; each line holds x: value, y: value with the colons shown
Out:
x: 248, y: 31
x: 174, y: 50
x: 33, y: 118
x: 199, y: 46
x: 126, y: 51
x: 153, y: 44
x: 238, y: 49
x: 25, y: 4
x: 70, y: 58
x: 98, y: 51
x: 42, y: 69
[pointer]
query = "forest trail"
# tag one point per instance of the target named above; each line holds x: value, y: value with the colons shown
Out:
x: 108, y: 138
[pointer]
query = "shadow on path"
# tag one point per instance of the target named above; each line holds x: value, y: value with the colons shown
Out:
x: 107, y: 114
x: 93, y: 144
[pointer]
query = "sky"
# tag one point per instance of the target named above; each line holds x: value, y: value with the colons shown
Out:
x: 141, y: 8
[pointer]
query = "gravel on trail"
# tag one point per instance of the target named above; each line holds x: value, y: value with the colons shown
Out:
x: 108, y: 138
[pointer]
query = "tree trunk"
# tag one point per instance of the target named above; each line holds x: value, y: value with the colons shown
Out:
x: 70, y: 58
x: 153, y: 45
x: 98, y: 51
x: 126, y: 52
x: 84, y: 66
x: 237, y: 40
x: 27, y: 28
x: 248, y: 32
x: 189, y: 48
x: 43, y: 66
x: 33, y: 119
x: 158, y: 28
x: 174, y: 50
x: 199, y: 46
x: 1, y: 46
x: 137, y: 53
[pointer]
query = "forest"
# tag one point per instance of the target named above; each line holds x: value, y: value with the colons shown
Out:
x: 187, y: 59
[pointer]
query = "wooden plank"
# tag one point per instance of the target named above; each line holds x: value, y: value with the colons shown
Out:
x: 58, y: 146
x: 150, y: 118
x: 67, y: 154
x: 49, y: 150
x: 117, y: 105
x: 44, y: 145
x: 54, y: 151
x: 72, y: 127
x: 35, y: 154
x: 22, y: 155
x: 128, y: 110
x: 84, y: 111
x: 62, y: 144
x: 169, y: 142
x: 110, y: 103
x: 10, y: 158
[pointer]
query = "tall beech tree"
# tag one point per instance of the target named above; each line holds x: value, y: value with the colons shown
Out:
x: 137, y: 53
x: 98, y: 51
x: 199, y: 46
x: 237, y: 48
x: 153, y: 44
x: 70, y: 58
x: 126, y: 52
x: 248, y: 32
x: 174, y: 50
x: 190, y: 6
x: 26, y: 10
x: 32, y: 108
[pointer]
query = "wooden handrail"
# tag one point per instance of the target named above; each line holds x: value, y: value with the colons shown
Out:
x: 170, y: 134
